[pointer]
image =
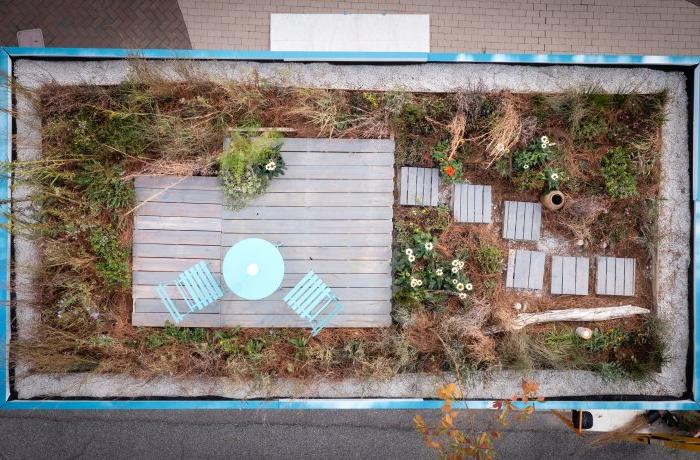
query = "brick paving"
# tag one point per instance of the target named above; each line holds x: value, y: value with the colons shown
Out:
x: 533, y: 26
x: 96, y: 23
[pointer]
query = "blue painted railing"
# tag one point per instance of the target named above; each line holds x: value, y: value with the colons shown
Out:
x: 7, y: 54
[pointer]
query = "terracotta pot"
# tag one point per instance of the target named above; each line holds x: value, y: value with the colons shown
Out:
x: 553, y: 200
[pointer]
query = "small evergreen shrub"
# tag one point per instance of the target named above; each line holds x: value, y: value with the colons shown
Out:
x: 112, y: 258
x: 618, y: 171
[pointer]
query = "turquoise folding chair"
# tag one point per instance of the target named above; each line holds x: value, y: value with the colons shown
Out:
x: 313, y: 301
x: 197, y: 287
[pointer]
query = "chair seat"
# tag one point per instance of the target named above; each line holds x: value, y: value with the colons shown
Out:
x: 197, y: 287
x: 313, y: 301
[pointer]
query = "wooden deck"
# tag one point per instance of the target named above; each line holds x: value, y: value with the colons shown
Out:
x: 331, y: 212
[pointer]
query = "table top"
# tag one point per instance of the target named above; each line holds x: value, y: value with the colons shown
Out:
x: 253, y: 268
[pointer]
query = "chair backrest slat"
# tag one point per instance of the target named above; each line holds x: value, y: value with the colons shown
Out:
x: 312, y: 299
x: 197, y: 287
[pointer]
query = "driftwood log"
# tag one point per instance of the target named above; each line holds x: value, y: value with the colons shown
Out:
x: 572, y: 314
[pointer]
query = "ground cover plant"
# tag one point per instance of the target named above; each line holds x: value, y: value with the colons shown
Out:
x: 601, y: 150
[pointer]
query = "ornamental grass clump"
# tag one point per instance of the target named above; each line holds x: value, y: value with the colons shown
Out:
x: 247, y: 166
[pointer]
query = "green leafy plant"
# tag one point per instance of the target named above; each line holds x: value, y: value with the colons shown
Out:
x: 451, y: 169
x: 247, y: 166
x: 112, y: 258
x: 489, y: 258
x: 533, y: 168
x: 105, y: 187
x: 618, y: 172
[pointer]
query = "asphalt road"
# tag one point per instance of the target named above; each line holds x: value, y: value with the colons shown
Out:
x: 276, y: 435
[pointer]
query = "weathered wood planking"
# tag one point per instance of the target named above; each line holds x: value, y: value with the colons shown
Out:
x: 331, y: 212
x: 522, y: 220
x: 615, y: 276
x: 419, y: 186
x: 525, y: 269
x: 472, y: 203
x: 570, y: 275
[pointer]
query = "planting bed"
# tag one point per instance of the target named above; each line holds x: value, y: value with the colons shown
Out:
x: 613, y: 141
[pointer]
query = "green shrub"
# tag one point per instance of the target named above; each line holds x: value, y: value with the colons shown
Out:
x: 618, y: 171
x: 451, y: 169
x: 112, y: 258
x: 247, y: 167
x: 105, y: 187
x: 489, y: 258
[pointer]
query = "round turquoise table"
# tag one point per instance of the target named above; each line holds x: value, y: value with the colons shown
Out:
x: 253, y: 268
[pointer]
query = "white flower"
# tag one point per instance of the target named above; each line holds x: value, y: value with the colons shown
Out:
x: 469, y: 287
x: 455, y: 281
x: 544, y: 140
x: 411, y: 258
x: 420, y: 283
x: 428, y: 246
x: 460, y: 286
x: 455, y: 262
x: 544, y: 146
x: 462, y: 296
x: 500, y: 147
x: 438, y: 272
x: 554, y: 176
x: 461, y: 264
x: 455, y: 269
x: 415, y: 282
x: 526, y: 166
x: 271, y: 166
x: 409, y: 251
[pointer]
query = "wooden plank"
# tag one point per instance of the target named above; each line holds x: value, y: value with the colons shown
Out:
x: 177, y: 237
x: 170, y: 264
x: 629, y: 277
x: 159, y: 320
x: 270, y: 321
x: 345, y: 172
x: 318, y: 239
x: 180, y: 209
x: 301, y: 227
x: 601, y: 275
x: 457, y: 202
x: 352, y: 280
x: 479, y: 203
x: 569, y: 275
x: 155, y: 305
x: 178, y: 182
x: 355, y: 186
x: 420, y: 180
x: 527, y: 223
x: 619, y: 276
x: 520, y: 220
x: 557, y: 280
x: 179, y: 196
x: 512, y: 219
x: 338, y: 158
x: 536, y: 221
x: 610, y: 281
x: 381, y: 294
x: 434, y: 187
x: 412, y: 186
x: 323, y: 199
x: 521, y: 275
x: 582, y: 275
x: 464, y: 202
x: 304, y: 144
x: 510, y: 270
x: 487, y: 204
x: 469, y: 189
x: 536, y: 275
x: 177, y: 251
x: 403, y: 188
x: 267, y: 307
x: 309, y: 213
x: 203, y: 224
x: 427, y: 186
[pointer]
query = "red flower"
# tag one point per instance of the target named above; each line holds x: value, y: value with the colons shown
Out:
x: 449, y: 170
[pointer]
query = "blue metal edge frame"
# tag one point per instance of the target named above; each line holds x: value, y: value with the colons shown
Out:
x: 8, y: 53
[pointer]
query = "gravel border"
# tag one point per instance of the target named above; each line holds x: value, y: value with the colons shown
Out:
x: 674, y: 222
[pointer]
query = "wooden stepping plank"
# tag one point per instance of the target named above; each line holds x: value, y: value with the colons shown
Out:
x: 615, y: 276
x: 570, y: 275
x: 419, y: 186
x: 525, y: 269
x: 521, y: 220
x: 472, y: 203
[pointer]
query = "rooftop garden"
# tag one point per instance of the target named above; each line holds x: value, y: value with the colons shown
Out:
x: 451, y: 309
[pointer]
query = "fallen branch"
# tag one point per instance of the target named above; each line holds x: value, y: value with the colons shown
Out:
x: 573, y: 314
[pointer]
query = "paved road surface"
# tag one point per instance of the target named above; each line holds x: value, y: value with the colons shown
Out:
x: 274, y: 435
